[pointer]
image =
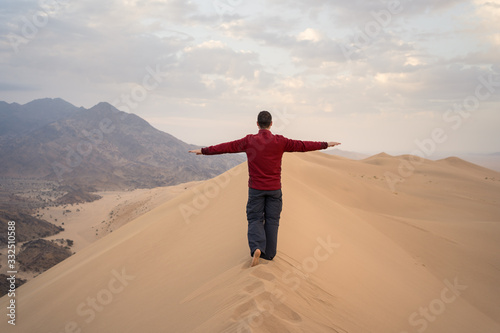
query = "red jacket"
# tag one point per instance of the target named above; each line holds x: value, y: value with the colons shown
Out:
x: 264, y: 153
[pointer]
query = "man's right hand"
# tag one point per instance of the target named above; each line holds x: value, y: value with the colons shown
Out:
x: 196, y: 151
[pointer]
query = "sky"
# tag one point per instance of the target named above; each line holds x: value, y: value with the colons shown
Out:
x: 409, y: 76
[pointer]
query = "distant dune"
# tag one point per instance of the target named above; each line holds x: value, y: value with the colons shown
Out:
x: 347, y: 154
x: 384, y: 244
x: 490, y: 161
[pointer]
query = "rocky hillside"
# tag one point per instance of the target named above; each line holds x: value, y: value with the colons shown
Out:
x: 27, y: 227
x: 5, y: 284
x: 40, y: 255
x: 100, y: 147
x: 16, y: 119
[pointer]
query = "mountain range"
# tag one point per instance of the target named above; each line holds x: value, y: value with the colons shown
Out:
x: 99, y: 148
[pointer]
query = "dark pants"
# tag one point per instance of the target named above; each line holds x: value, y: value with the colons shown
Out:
x: 263, y: 215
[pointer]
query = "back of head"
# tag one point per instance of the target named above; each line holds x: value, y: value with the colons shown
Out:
x: 264, y: 119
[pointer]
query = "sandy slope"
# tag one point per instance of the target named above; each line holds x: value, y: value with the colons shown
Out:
x: 86, y: 222
x: 355, y: 255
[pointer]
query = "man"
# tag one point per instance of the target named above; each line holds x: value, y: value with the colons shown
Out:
x: 264, y: 154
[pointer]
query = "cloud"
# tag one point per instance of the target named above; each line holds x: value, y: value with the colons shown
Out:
x: 7, y: 86
x: 311, y: 35
x: 489, y: 26
x: 215, y: 58
x: 324, y: 59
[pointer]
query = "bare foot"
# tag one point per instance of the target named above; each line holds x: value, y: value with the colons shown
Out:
x: 256, y: 256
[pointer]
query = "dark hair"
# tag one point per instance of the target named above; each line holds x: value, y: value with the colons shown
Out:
x: 264, y: 119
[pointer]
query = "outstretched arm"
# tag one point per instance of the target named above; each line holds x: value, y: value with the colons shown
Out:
x: 237, y: 146
x: 303, y: 146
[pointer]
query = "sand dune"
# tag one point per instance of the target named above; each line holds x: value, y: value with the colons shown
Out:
x: 86, y: 222
x: 354, y: 255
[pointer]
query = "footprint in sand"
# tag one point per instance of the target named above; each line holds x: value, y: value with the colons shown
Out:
x: 254, y: 286
x: 263, y: 309
x: 261, y: 324
x: 244, y: 310
x: 261, y: 274
x: 268, y: 302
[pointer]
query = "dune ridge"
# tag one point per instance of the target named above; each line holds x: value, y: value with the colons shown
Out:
x: 353, y: 256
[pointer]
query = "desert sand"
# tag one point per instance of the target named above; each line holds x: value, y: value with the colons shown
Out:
x: 86, y: 222
x: 385, y: 244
